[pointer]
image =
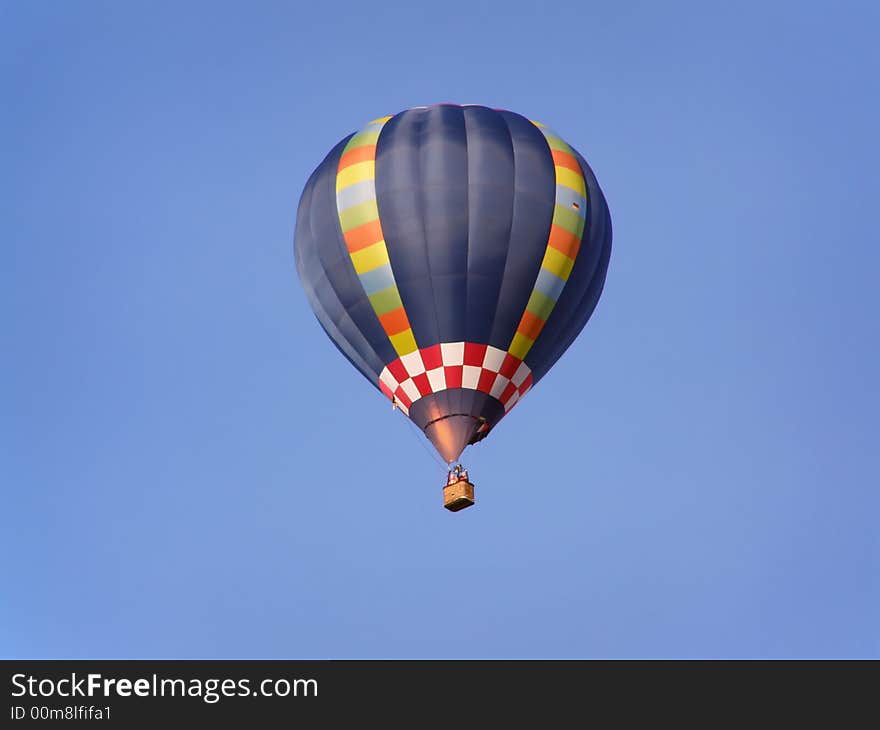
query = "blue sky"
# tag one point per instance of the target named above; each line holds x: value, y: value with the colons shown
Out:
x: 189, y: 468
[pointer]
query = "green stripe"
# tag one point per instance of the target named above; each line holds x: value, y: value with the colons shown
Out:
x: 386, y: 300
x: 557, y: 144
x: 357, y: 215
x: 362, y: 140
x: 540, y: 305
x: 568, y: 219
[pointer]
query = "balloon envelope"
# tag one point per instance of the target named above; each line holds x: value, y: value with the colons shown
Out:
x: 452, y: 254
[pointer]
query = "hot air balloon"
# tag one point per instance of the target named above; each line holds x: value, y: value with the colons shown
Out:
x: 452, y: 254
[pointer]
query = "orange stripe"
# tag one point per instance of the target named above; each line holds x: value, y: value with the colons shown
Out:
x: 357, y: 154
x: 563, y: 159
x: 564, y: 241
x: 530, y: 325
x: 363, y: 236
x: 395, y: 321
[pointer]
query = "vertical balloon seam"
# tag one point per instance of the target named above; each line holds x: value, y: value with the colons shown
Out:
x: 359, y: 219
x: 467, y: 208
x: 422, y: 206
x: 563, y: 244
x: 510, y: 224
x: 425, y: 375
x: 525, y: 140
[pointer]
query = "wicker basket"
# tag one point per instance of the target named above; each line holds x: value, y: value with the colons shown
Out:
x: 458, y: 495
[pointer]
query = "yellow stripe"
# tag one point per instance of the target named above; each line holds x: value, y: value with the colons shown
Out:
x: 403, y: 342
x: 355, y: 173
x: 369, y: 258
x: 520, y: 346
x: 381, y: 120
x: 557, y: 263
x: 572, y: 180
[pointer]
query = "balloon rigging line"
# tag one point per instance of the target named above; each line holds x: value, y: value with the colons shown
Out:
x: 418, y: 436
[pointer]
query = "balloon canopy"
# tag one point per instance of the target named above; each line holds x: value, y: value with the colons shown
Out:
x: 452, y: 254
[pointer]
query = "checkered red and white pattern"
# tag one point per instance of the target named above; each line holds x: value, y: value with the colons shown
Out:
x: 456, y: 365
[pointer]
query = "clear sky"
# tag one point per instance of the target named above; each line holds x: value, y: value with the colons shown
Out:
x: 190, y: 469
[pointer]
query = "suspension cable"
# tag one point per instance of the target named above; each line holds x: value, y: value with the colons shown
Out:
x: 420, y: 437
